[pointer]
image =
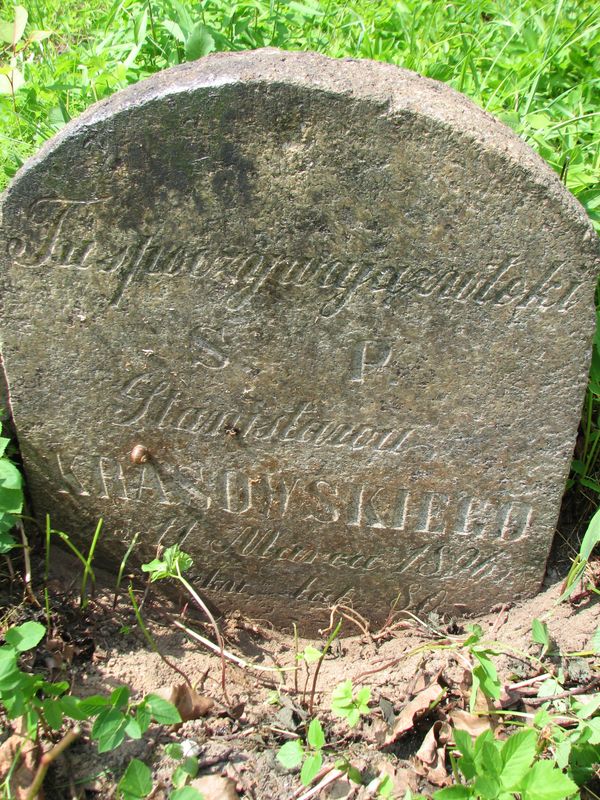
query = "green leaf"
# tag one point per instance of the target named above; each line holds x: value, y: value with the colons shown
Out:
x: 140, y: 26
x: 316, y: 737
x: 72, y: 708
x: 119, y: 698
x: 490, y: 757
x: 341, y: 697
x: 136, y: 781
x: 562, y: 753
x: 173, y: 559
x: 476, y: 634
x: 517, y: 753
x: 463, y: 742
x: 591, y: 537
x: 310, y: 654
x: 25, y: 636
x: 11, y: 480
x: 133, y: 728
x: 186, y: 793
x: 163, y: 712
x: 362, y: 699
x: 486, y: 786
x: 290, y: 755
x: 545, y: 782
x: 310, y: 768
x: 157, y: 567
x: 52, y: 713
x: 587, y: 709
x: 456, y: 792
x: 93, y: 705
x: 199, y: 43
x: 189, y: 769
x: 9, y: 672
x: 39, y: 36
x: 174, y: 750
x: 487, y: 675
x: 19, y: 24
x: 7, y: 541
x: 355, y: 776
x: 540, y: 635
x: 143, y: 715
x: 11, y: 32
x: 109, y: 729
x: 595, y: 643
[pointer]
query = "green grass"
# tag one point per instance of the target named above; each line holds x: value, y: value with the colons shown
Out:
x: 534, y: 64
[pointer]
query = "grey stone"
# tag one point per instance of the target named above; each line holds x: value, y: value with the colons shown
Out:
x: 324, y: 323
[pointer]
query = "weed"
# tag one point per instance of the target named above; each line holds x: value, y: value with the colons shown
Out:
x: 44, y: 707
x: 579, y: 566
x: 172, y: 564
x: 310, y: 755
x: 540, y: 635
x: 349, y: 705
x: 136, y: 781
x: 493, y: 769
x: 15, y: 47
x: 11, y: 497
x: 86, y: 561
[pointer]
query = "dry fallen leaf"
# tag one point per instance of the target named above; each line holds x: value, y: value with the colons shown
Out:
x: 472, y: 724
x: 432, y: 754
x: 215, y: 787
x: 187, y: 701
x: 413, y: 710
x: 22, y: 777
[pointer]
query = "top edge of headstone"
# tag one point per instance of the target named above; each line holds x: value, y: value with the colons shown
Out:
x: 396, y: 89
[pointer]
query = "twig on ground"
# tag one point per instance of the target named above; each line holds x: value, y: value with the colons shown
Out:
x: 226, y: 654
x: 296, y: 658
x: 500, y: 620
x: 11, y: 569
x: 47, y: 758
x: 388, y: 629
x: 212, y: 762
x: 538, y: 701
x: 330, y: 776
x: 203, y: 607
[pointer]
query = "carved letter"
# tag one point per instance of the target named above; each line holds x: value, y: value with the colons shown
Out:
x: 362, y: 509
x: 368, y: 355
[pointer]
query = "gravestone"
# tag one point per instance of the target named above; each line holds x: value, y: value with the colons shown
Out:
x: 324, y: 323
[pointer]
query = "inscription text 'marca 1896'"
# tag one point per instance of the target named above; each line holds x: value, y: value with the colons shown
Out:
x: 302, y: 317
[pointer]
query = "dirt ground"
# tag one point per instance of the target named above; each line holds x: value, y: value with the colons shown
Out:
x: 267, y: 702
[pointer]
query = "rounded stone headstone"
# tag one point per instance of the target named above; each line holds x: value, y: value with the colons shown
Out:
x: 324, y: 323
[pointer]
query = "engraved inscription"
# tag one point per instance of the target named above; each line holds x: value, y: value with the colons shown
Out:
x: 61, y: 221
x: 279, y: 496
x: 369, y: 355
x: 155, y: 402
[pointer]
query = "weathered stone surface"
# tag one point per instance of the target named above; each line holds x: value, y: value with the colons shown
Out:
x: 345, y: 312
